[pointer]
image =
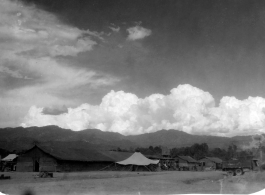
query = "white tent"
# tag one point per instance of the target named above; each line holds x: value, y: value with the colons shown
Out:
x: 10, y: 157
x: 138, y: 159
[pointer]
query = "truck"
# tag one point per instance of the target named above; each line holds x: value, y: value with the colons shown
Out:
x: 238, y: 166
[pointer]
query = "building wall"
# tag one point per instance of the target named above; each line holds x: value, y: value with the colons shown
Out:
x: 192, y: 166
x: 208, y: 163
x: 182, y: 164
x: 26, y: 162
x: 67, y: 166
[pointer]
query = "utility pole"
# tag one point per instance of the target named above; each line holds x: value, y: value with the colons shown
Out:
x: 260, y: 152
x: 259, y: 139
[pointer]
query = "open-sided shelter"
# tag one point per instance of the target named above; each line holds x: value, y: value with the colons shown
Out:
x: 10, y: 157
x: 166, y: 163
x: 8, y: 163
x: 154, y: 156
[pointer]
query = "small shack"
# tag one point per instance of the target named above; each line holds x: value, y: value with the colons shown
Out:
x: 40, y: 158
x: 186, y: 163
x: 211, y: 163
x: 9, y: 163
x: 10, y: 157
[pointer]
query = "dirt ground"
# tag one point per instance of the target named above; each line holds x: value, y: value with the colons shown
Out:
x: 250, y: 182
x: 110, y: 182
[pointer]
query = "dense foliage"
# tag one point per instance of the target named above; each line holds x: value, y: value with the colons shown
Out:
x: 198, y: 151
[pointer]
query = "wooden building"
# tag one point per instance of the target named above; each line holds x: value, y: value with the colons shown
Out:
x: 186, y: 163
x: 66, y: 159
x: 211, y: 163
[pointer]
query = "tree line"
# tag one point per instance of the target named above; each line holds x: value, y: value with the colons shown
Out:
x: 198, y: 151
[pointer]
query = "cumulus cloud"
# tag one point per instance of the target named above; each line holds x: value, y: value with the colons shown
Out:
x: 186, y: 108
x: 138, y: 32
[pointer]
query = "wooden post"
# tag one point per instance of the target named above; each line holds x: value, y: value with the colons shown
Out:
x: 147, y: 168
x: 106, y: 167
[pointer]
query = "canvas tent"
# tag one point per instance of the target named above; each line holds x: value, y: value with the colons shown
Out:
x: 138, y: 159
x: 138, y: 162
x: 135, y: 162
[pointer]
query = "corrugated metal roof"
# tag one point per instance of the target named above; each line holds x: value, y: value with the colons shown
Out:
x: 214, y: 159
x: 74, y: 154
x: 188, y: 158
x: 10, y: 157
x: 160, y: 157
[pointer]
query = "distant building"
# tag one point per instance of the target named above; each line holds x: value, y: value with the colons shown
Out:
x: 186, y: 163
x: 165, y: 152
x: 212, y: 162
x: 66, y: 159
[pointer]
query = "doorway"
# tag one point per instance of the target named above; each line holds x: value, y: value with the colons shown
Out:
x: 36, y: 166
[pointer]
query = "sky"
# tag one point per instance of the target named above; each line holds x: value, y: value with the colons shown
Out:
x: 134, y: 66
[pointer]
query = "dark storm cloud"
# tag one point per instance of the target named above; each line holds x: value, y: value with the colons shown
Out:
x: 215, y: 21
x: 202, y: 42
x: 55, y: 110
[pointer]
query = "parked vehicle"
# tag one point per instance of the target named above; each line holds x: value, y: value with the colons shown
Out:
x: 238, y: 166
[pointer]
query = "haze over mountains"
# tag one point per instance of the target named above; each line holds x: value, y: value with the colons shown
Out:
x: 20, y: 138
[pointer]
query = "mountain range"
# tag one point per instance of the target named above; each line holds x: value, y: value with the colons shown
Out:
x: 20, y: 138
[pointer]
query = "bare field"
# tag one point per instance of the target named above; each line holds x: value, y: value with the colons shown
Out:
x: 110, y: 182
x: 248, y: 183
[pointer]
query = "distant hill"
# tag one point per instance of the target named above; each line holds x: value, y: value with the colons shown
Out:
x: 175, y: 138
x: 24, y: 138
